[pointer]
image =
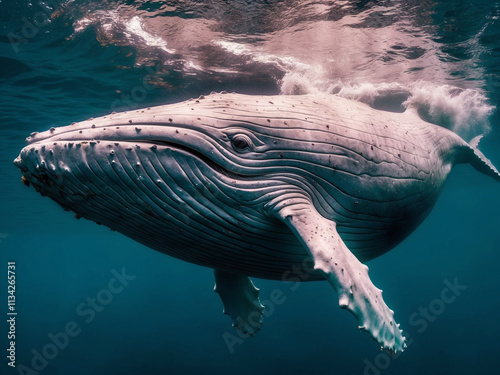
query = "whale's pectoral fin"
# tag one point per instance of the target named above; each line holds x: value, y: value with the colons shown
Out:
x: 348, y: 276
x: 241, y: 300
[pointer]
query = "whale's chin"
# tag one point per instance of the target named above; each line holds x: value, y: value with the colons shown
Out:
x: 50, y: 161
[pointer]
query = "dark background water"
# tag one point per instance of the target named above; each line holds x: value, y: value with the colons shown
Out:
x: 64, y: 61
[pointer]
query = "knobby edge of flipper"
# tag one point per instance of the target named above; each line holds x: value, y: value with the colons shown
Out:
x: 347, y: 275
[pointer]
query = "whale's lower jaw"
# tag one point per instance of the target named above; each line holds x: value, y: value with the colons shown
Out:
x: 151, y: 204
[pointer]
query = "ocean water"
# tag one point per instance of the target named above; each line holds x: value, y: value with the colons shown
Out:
x: 65, y: 61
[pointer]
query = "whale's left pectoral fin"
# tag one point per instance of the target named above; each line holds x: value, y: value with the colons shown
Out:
x: 348, y: 276
x: 241, y: 300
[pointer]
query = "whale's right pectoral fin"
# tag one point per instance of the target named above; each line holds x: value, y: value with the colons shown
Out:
x: 348, y: 276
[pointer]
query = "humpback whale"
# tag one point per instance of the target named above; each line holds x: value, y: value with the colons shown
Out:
x: 258, y: 186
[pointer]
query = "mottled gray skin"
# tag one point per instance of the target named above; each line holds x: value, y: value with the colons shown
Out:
x: 281, y: 187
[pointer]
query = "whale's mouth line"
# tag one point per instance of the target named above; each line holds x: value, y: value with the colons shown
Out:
x: 205, y: 159
x: 193, y: 152
x: 217, y: 167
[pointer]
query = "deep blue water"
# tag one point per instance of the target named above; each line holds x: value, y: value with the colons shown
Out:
x: 64, y: 61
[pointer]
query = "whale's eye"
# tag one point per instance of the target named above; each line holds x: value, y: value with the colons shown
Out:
x: 241, y: 143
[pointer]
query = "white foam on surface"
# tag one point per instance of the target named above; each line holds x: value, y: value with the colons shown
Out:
x: 354, y: 69
x: 134, y: 27
x: 464, y: 111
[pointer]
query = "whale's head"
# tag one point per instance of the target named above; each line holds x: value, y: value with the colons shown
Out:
x: 235, y: 149
x: 218, y: 160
